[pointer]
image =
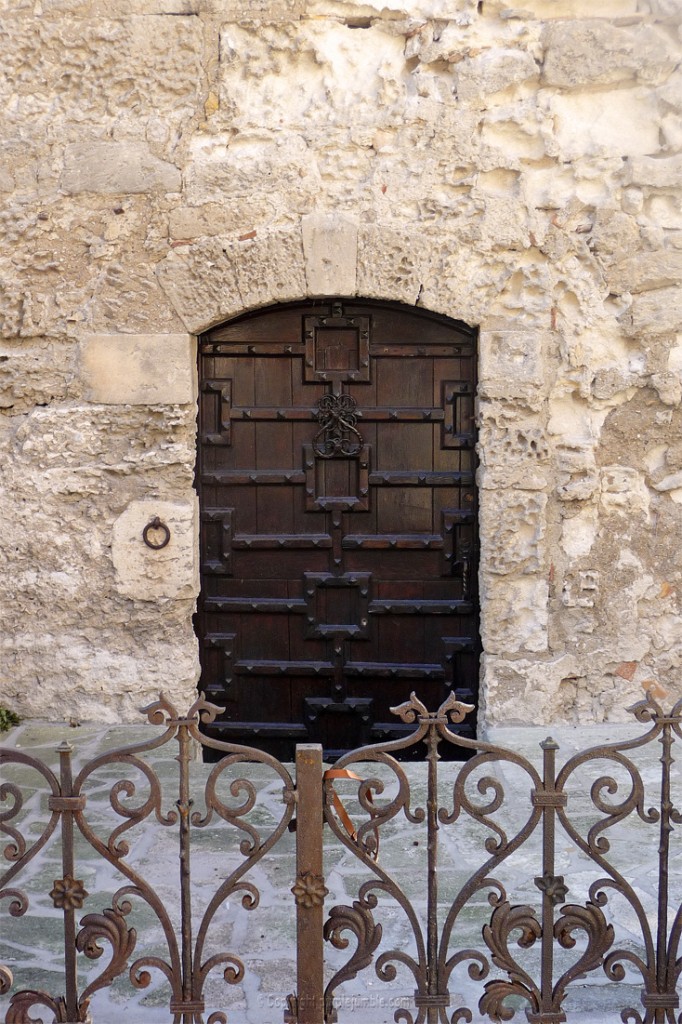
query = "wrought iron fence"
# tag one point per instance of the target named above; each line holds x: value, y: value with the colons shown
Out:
x: 472, y: 951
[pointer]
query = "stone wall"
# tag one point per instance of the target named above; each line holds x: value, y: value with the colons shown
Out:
x: 515, y: 164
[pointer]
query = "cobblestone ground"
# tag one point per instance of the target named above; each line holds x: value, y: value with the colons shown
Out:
x: 264, y: 937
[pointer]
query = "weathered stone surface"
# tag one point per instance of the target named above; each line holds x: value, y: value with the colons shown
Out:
x: 237, y: 217
x: 513, y: 523
x: 596, y: 52
x: 646, y: 271
x: 116, y: 167
x: 71, y: 78
x: 461, y: 11
x: 330, y: 246
x: 519, y: 691
x: 492, y: 71
x: 619, y: 123
x: 659, y: 172
x: 276, y: 73
x: 579, y: 533
x: 515, y: 616
x: 145, y: 573
x: 170, y: 164
x: 90, y: 678
x: 513, y: 451
x: 37, y: 372
x: 623, y: 490
x: 654, y: 312
x: 230, y: 166
x: 138, y: 369
x: 548, y: 9
x: 512, y: 363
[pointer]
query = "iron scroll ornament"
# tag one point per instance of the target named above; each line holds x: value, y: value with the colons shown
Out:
x: 156, y: 524
x: 338, y: 434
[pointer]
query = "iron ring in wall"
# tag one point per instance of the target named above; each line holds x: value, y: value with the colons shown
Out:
x: 156, y: 524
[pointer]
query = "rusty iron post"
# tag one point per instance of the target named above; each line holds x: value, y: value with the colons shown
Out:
x: 309, y: 890
x: 68, y: 893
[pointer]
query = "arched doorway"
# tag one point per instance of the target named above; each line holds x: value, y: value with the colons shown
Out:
x: 336, y: 477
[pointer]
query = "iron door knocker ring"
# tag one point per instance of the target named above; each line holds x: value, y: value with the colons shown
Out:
x: 156, y: 524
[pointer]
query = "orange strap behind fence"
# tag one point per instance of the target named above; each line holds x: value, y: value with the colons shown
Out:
x: 344, y: 817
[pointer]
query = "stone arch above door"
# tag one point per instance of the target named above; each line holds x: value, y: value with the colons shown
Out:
x: 211, y: 280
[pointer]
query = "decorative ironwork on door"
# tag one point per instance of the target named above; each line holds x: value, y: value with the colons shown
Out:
x: 338, y: 433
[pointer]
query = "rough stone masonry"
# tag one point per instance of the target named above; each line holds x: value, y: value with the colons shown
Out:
x: 516, y: 164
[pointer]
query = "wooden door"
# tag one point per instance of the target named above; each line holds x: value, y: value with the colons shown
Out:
x: 338, y: 521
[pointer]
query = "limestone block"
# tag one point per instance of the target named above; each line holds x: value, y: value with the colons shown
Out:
x: 549, y: 9
x: 512, y: 526
x: 645, y: 271
x: 671, y: 132
x: 654, y: 312
x: 659, y: 172
x: 514, y: 615
x: 619, y: 123
x: 115, y: 168
x: 312, y: 72
x: 614, y: 233
x: 460, y: 11
x: 251, y: 163
x: 675, y: 358
x: 390, y: 262
x: 577, y: 425
x: 128, y: 298
x: 549, y: 188
x: 270, y: 268
x: 131, y: 8
x: 513, y: 452
x: 213, y: 279
x: 492, y: 71
x: 238, y: 217
x: 526, y: 691
x: 106, y: 684
x: 144, y: 573
x: 116, y: 8
x: 70, y: 78
x: 671, y: 482
x: 668, y: 387
x: 664, y: 211
x: 139, y: 369
x: 456, y: 281
x: 63, y: 455
x: 577, y: 476
x: 623, y: 490
x: 579, y: 533
x: 671, y: 92
x: 200, y: 281
x: 7, y: 182
x: 504, y: 223
x: 511, y: 363
x: 507, y: 142
x: 666, y: 10
x: 37, y: 373
x: 330, y: 246
x: 594, y: 52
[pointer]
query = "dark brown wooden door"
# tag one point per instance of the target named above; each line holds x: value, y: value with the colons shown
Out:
x: 338, y: 521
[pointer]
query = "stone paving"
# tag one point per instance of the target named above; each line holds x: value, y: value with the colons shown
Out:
x: 264, y: 937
